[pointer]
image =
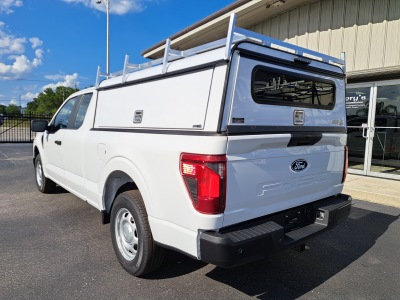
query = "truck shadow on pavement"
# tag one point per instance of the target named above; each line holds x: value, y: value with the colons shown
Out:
x: 59, y: 190
x: 289, y: 274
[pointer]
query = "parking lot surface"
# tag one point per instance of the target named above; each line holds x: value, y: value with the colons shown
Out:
x: 54, y: 247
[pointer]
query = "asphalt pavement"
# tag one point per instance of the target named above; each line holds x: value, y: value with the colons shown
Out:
x: 54, y: 247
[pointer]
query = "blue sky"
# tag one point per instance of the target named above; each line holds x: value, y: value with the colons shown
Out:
x: 48, y: 43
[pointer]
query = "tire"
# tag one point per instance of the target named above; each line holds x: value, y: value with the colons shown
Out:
x: 43, y: 184
x: 131, y: 235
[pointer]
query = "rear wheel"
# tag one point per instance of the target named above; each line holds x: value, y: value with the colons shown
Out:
x: 43, y: 184
x: 131, y: 235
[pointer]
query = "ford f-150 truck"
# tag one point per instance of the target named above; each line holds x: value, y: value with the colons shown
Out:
x: 226, y: 152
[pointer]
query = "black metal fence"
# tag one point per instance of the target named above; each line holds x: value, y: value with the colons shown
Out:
x: 17, y: 128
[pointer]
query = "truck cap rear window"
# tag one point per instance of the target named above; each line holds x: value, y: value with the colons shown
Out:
x: 276, y: 87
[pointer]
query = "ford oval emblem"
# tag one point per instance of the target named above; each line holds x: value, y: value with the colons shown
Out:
x: 299, y: 165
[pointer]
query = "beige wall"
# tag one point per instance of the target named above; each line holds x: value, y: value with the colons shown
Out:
x: 367, y: 30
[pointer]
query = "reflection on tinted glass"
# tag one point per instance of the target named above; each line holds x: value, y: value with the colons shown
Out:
x: 80, y: 116
x: 357, y: 103
x: 271, y: 87
x: 62, y: 118
x: 388, y: 101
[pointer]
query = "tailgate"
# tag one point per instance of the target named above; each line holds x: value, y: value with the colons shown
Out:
x: 286, y: 133
x: 265, y: 176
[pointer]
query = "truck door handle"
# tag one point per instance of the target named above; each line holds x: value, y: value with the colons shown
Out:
x: 58, y: 143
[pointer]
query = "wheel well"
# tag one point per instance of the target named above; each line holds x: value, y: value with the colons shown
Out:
x: 117, y: 183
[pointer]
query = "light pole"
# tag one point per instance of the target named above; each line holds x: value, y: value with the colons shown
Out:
x: 107, y: 4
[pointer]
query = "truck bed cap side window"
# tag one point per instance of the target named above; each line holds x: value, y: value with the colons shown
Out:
x: 270, y: 86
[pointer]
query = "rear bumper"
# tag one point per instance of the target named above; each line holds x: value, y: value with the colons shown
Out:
x: 258, y: 239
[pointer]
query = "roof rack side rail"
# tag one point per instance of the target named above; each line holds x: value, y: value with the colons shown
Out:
x: 107, y: 76
x: 234, y: 35
x: 274, y: 43
x: 100, y: 74
x: 169, y: 56
x: 128, y: 67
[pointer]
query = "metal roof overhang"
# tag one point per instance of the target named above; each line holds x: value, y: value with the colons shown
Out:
x: 215, y: 26
x: 377, y: 74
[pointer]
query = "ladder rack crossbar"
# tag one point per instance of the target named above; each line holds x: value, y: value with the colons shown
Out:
x: 235, y: 35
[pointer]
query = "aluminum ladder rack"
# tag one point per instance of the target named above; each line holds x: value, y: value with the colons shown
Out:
x: 235, y: 35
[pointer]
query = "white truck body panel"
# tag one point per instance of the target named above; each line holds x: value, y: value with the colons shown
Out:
x: 116, y: 107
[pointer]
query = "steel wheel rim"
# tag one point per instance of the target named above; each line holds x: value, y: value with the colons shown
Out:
x: 126, y: 234
x: 39, y: 174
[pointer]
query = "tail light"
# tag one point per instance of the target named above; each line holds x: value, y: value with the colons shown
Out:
x: 346, y: 163
x: 205, y: 180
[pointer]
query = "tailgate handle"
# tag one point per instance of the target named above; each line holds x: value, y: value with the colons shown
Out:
x: 58, y: 143
x: 304, y: 139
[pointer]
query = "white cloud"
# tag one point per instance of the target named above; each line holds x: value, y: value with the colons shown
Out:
x: 36, y: 62
x: 14, y: 102
x: 119, y: 7
x: 67, y: 81
x: 10, y: 44
x: 29, y: 96
x: 36, y: 42
x: 21, y: 65
x: 14, y: 61
x: 6, y: 5
x: 64, y: 80
x: 39, y: 53
x: 55, y: 77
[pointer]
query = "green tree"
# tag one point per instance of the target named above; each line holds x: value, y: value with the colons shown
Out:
x: 13, y: 110
x: 2, y: 109
x: 48, y: 101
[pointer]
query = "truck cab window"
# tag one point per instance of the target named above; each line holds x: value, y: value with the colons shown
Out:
x: 73, y: 112
x: 83, y: 106
x: 62, y: 118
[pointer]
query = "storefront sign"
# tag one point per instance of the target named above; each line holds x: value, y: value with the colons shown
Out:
x: 356, y: 101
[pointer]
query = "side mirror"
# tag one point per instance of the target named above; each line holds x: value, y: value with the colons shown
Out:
x: 39, y: 125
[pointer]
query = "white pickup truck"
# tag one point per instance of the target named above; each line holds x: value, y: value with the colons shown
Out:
x: 226, y: 152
